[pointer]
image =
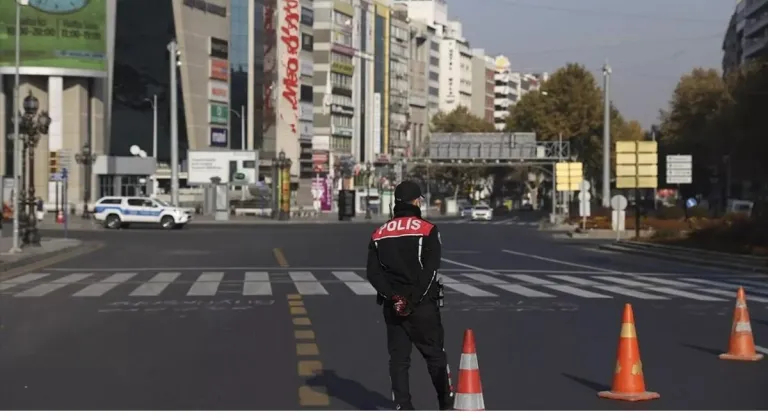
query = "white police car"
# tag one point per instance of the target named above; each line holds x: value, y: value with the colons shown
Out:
x: 121, y: 212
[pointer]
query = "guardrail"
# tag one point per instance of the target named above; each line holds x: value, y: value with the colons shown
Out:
x: 693, y: 255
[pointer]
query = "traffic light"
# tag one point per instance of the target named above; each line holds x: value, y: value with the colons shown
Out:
x: 53, y: 163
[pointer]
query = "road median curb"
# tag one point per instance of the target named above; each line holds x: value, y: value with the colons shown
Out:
x: 35, y: 262
x: 690, y: 255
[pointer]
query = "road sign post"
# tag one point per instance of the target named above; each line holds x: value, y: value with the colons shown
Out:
x: 618, y: 204
x: 637, y: 166
x: 584, y: 200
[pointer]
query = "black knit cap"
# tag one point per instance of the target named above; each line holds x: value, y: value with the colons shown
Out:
x: 407, y: 191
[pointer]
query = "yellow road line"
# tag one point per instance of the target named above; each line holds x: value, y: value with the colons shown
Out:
x: 280, y: 257
x: 309, y: 396
x: 38, y: 265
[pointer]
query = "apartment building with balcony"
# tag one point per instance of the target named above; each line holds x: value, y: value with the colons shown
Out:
x: 381, y: 82
x: 399, y: 107
x: 506, y: 91
x: 333, y: 56
x: 420, y: 55
x: 483, y: 85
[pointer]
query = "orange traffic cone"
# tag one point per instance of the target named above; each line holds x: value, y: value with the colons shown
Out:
x: 628, y: 381
x: 469, y: 392
x: 742, y: 343
x: 60, y: 217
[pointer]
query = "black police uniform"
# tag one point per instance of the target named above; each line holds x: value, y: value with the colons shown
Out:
x: 403, y: 259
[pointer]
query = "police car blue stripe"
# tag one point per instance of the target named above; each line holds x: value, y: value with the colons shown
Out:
x: 127, y: 212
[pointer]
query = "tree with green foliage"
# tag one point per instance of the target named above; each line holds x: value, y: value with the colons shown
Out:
x: 570, y: 105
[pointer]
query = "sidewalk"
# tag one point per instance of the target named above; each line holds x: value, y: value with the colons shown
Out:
x: 48, y: 247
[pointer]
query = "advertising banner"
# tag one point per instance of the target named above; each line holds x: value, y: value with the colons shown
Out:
x: 326, y: 202
x: 218, y: 114
x: 218, y: 69
x: 218, y: 91
x: 56, y: 34
x: 218, y: 137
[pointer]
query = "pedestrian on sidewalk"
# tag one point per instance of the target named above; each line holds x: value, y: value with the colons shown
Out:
x: 403, y: 259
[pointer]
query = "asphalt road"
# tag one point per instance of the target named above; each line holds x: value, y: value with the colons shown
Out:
x: 279, y: 318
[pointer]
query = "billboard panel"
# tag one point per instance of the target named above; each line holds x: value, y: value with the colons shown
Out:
x: 56, y: 35
x: 239, y: 167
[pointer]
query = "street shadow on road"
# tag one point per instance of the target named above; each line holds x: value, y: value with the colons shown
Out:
x: 702, y: 349
x: 350, y: 391
x: 595, y: 386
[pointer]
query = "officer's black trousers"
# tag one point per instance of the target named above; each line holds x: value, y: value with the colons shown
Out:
x: 424, y: 329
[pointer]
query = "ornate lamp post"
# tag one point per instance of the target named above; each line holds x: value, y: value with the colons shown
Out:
x: 282, y: 187
x: 31, y: 126
x: 368, y: 192
x: 86, y: 158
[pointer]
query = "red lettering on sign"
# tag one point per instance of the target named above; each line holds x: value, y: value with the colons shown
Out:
x: 290, y: 38
x: 403, y: 226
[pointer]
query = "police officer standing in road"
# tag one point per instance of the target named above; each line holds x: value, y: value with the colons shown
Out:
x: 403, y: 259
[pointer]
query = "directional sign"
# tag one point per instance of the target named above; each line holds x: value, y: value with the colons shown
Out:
x: 679, y: 169
x: 569, y: 175
x: 619, y: 202
x: 637, y: 164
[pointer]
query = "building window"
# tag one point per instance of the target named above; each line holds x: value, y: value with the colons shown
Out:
x: 342, y: 121
x: 342, y: 19
x: 433, y: 91
x: 341, y: 80
x: 434, y: 61
x: 342, y: 38
x: 106, y: 185
x: 434, y: 76
x: 340, y: 58
x: 435, y: 46
x: 306, y: 93
x: 306, y: 42
x: 307, y: 16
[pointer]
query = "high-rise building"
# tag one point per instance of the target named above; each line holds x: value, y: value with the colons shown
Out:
x: 455, y: 68
x: 755, y: 44
x: 306, y: 108
x: 483, y: 85
x: 399, y: 109
x: 506, y: 91
x: 334, y: 70
x: 419, y: 64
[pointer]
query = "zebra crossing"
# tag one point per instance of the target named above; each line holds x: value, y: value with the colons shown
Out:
x: 479, y: 284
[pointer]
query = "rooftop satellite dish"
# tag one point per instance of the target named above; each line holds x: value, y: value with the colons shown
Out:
x: 135, y: 150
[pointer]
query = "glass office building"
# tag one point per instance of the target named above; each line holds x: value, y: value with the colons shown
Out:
x: 238, y: 69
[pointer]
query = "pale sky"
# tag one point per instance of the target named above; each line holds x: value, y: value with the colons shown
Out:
x: 649, y: 43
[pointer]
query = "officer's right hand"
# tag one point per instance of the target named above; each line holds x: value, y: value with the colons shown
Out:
x: 401, y: 305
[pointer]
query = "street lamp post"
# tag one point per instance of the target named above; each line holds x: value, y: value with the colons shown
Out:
x: 31, y: 126
x: 86, y: 158
x: 368, y: 192
x: 281, y: 165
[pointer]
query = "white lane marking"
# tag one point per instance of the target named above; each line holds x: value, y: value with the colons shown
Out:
x: 552, y: 260
x: 529, y: 279
x: 16, y: 281
x: 257, y: 284
x: 732, y: 295
x: 513, y: 288
x: 156, y: 284
x: 623, y: 282
x: 728, y: 286
x: 575, y: 280
x: 104, y: 286
x: 471, y: 267
x: 577, y: 292
x: 357, y: 284
x: 44, y: 289
x: 628, y: 292
x: 206, y: 284
x: 306, y: 283
x: 761, y: 349
x: 682, y: 293
x: 665, y: 282
x: 466, y: 289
